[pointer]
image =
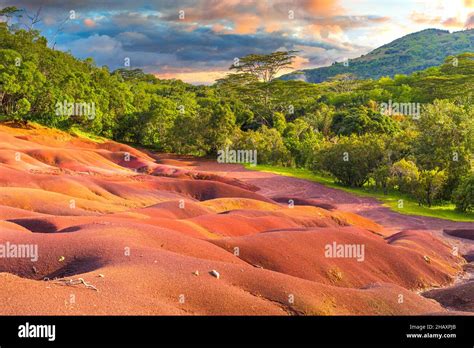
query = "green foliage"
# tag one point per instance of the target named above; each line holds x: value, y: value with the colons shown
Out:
x: 352, y: 159
x: 429, y: 185
x: 463, y: 196
x: 301, y: 141
x: 381, y: 176
x: 361, y: 120
x: 445, y: 140
x: 264, y: 66
x: 269, y: 145
x: 390, y: 200
x: 405, y: 175
x: 20, y: 83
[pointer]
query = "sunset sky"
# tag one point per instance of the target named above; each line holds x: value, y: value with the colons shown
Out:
x: 201, y: 46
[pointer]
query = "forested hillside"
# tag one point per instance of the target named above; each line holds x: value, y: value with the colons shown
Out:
x: 405, y: 55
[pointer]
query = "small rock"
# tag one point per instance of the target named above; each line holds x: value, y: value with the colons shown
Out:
x: 35, y: 271
x: 196, y: 273
x: 101, y: 276
x: 214, y: 273
x: 61, y: 259
x: 427, y: 258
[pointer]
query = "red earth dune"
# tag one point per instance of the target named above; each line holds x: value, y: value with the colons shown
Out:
x: 124, y: 231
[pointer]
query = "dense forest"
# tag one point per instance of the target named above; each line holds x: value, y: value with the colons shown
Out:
x: 410, y: 133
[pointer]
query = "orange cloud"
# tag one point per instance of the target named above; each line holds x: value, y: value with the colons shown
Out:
x: 88, y: 22
x: 421, y: 18
x: 246, y: 24
x: 323, y: 32
x: 299, y: 63
x: 452, y: 22
x: 247, y: 16
x: 470, y: 21
x: 320, y: 7
x: 195, y: 77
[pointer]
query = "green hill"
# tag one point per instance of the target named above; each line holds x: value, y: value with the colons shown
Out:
x: 405, y: 55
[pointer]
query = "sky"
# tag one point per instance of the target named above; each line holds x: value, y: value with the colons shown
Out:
x: 197, y: 40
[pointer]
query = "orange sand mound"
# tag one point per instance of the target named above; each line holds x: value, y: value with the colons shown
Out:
x: 128, y: 231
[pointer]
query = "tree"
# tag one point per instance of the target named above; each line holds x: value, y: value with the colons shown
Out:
x: 264, y: 66
x: 219, y: 124
x: 406, y: 175
x: 321, y: 119
x: 20, y: 84
x: 268, y: 143
x: 360, y: 120
x: 352, y: 159
x: 301, y: 141
x: 381, y: 176
x: 342, y: 83
x: 446, y: 140
x: 429, y: 185
x: 463, y: 196
x: 10, y: 12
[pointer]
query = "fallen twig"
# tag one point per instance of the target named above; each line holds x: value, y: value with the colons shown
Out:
x: 72, y: 282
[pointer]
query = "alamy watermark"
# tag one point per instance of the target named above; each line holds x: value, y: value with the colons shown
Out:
x: 66, y: 108
x: 19, y: 251
x: 395, y: 108
x: 237, y: 156
x: 345, y: 251
x: 37, y: 331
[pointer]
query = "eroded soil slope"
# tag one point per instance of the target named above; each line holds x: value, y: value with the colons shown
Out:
x: 122, y: 231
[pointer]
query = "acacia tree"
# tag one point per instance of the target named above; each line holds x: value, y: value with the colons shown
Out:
x: 252, y: 82
x: 343, y: 83
x: 9, y: 13
x: 264, y: 66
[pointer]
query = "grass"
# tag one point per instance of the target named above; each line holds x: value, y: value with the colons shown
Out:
x: 391, y: 200
x: 74, y: 130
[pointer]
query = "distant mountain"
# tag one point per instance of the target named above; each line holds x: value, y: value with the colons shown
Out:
x: 405, y: 55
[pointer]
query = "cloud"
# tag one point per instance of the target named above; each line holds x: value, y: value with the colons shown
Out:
x: 470, y: 21
x: 455, y: 22
x: 452, y: 22
x: 89, y: 22
x: 421, y: 18
x: 211, y: 33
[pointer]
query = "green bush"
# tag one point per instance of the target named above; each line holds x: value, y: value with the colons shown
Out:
x: 269, y: 145
x: 352, y: 159
x: 360, y: 120
x: 429, y: 186
x: 301, y: 141
x: 463, y: 196
x: 405, y: 175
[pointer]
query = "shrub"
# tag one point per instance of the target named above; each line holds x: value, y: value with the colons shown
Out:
x: 463, y: 196
x: 429, y: 185
x: 382, y: 177
x: 405, y: 175
x: 352, y: 159
x: 269, y: 145
x: 301, y: 141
